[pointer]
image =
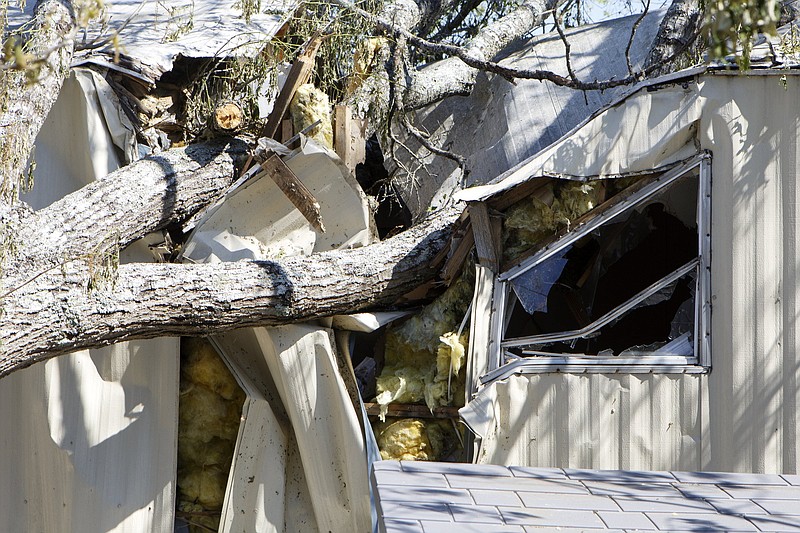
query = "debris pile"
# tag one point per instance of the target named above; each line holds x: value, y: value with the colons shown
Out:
x: 424, y: 363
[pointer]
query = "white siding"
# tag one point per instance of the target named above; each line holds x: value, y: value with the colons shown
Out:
x: 743, y: 415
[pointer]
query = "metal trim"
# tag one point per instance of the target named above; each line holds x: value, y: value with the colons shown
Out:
x: 698, y: 364
x: 672, y: 365
x: 702, y: 337
x: 608, y: 317
x: 571, y: 237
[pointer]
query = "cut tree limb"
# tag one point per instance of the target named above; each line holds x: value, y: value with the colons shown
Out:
x: 227, y: 118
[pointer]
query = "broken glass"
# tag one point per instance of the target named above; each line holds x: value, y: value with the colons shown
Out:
x: 579, y: 287
x: 533, y: 287
x: 654, y: 321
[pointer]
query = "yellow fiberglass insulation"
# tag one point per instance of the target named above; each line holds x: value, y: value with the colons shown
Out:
x: 364, y: 60
x: 424, y: 355
x: 208, y: 424
x: 413, y: 439
x: 535, y: 218
x: 309, y: 105
x: 450, y: 355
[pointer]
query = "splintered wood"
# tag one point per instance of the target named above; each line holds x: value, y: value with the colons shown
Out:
x: 298, y: 75
x: 349, y: 137
x: 295, y: 191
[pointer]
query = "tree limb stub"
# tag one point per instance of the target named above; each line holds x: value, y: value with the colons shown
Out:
x: 56, y: 314
x: 29, y: 92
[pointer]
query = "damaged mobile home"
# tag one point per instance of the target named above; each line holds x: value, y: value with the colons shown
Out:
x: 623, y: 298
x: 653, y: 331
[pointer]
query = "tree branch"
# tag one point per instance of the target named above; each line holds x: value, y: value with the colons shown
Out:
x: 56, y: 314
x: 129, y: 203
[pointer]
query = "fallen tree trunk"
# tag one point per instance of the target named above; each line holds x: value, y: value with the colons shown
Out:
x: 56, y: 313
x: 129, y: 203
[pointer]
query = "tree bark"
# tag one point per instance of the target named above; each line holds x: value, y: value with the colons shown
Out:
x: 446, y: 77
x: 30, y: 90
x: 678, y: 31
x: 451, y: 77
x: 129, y: 203
x: 56, y: 313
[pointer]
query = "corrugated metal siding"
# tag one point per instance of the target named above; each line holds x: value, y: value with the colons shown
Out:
x: 743, y: 415
x: 638, y: 422
x: 752, y: 125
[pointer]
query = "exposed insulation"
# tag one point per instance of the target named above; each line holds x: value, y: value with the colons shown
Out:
x: 450, y: 355
x: 539, y: 216
x: 420, y: 335
x: 413, y: 439
x: 402, y: 385
x: 209, y: 415
x: 364, y: 60
x: 309, y: 105
x: 424, y: 362
x: 413, y: 372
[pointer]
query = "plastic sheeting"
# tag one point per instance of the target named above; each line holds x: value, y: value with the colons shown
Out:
x: 89, y: 438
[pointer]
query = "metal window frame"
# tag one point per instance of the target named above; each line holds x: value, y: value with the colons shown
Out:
x: 504, y: 364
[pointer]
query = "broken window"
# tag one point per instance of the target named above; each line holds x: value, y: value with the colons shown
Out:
x: 628, y: 288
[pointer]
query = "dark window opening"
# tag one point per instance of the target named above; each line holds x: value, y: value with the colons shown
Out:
x: 628, y: 287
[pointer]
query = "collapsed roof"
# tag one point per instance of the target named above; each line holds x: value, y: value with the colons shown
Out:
x: 151, y: 35
x: 501, y: 124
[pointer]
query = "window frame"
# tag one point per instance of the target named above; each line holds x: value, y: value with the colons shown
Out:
x: 503, y: 364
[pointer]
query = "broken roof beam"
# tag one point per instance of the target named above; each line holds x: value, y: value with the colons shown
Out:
x: 408, y: 410
x: 487, y: 231
x: 295, y: 191
x: 298, y: 75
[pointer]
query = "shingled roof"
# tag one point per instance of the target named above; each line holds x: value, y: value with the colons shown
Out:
x: 421, y: 497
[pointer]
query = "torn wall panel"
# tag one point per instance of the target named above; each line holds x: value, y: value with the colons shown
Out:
x: 501, y: 124
x: 89, y: 437
x: 615, y: 141
x: 298, y: 415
